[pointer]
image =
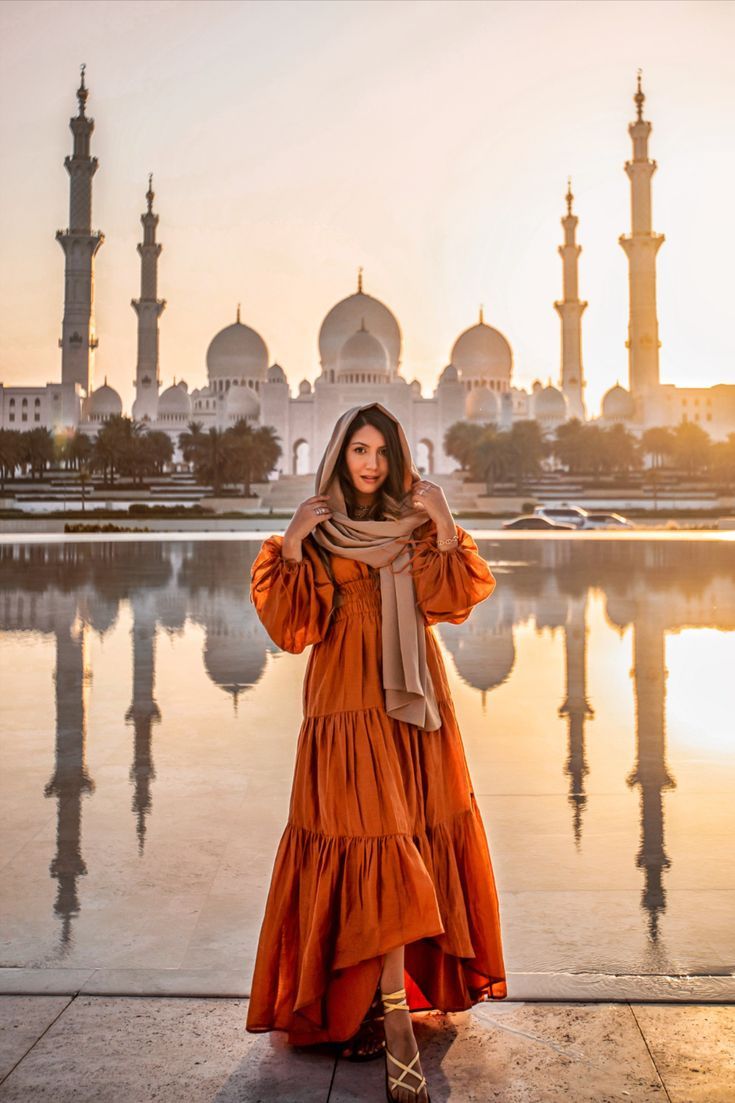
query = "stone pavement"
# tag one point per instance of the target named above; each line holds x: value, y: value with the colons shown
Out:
x: 132, y: 1049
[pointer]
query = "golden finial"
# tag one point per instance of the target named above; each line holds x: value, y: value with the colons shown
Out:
x: 359, y: 281
x: 639, y: 97
x: 362, y: 326
x: 238, y: 314
x: 482, y: 315
x: 150, y: 194
x: 82, y: 91
x: 569, y: 197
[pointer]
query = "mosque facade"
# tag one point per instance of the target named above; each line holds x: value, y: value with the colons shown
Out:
x: 360, y: 351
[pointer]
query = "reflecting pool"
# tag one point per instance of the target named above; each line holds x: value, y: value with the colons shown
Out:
x: 149, y: 728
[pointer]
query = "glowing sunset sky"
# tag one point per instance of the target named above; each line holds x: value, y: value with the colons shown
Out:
x: 428, y: 142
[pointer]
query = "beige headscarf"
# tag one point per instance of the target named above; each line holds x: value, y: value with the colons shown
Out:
x: 409, y: 692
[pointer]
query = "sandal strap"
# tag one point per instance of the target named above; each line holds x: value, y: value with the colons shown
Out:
x: 395, y: 1001
x: 397, y: 1082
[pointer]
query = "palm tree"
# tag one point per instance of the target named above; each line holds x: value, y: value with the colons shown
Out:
x: 10, y: 454
x: 723, y: 460
x: 569, y: 445
x: 459, y: 441
x: 491, y: 457
x: 190, y: 441
x: 620, y: 449
x: 658, y: 443
x: 254, y: 452
x: 38, y: 450
x: 117, y: 446
x: 525, y: 446
x: 77, y: 449
x: 691, y: 446
x: 160, y: 450
x: 212, y: 459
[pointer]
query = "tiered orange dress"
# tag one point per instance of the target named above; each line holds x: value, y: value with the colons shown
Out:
x: 384, y: 844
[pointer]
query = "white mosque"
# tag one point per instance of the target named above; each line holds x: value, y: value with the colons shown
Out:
x: 360, y: 347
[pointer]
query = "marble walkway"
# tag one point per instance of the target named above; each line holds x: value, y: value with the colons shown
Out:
x: 132, y: 1049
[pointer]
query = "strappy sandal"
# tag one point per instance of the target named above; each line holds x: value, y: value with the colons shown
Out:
x: 396, y: 1001
x: 366, y: 1029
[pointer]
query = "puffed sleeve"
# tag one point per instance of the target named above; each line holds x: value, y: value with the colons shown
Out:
x: 293, y: 598
x: 449, y: 583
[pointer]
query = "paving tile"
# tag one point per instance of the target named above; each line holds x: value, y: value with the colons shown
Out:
x: 522, y: 1053
x: 134, y: 1050
x: 42, y: 982
x: 23, y: 1020
x: 170, y: 982
x: 694, y: 1049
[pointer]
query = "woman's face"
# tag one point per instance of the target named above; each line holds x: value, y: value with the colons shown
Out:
x: 367, y: 462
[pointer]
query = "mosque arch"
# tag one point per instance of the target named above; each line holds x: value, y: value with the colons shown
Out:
x: 425, y: 455
x: 300, y: 457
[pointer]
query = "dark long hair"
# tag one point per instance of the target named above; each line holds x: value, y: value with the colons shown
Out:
x: 390, y: 495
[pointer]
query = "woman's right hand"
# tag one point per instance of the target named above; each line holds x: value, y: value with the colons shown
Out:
x: 305, y: 518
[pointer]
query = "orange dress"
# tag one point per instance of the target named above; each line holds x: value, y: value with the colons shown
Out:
x: 384, y: 844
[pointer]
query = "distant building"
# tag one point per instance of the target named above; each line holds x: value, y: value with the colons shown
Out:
x: 360, y: 347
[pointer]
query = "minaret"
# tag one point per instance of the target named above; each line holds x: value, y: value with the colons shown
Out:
x: 641, y: 247
x: 80, y: 245
x: 570, y: 310
x: 149, y: 309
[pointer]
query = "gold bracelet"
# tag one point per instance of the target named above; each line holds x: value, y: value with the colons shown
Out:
x: 451, y: 540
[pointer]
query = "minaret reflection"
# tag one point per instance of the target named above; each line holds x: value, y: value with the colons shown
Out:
x: 650, y: 771
x: 576, y: 707
x: 70, y: 780
x: 143, y: 711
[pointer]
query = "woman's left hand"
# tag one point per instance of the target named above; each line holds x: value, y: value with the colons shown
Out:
x: 430, y: 497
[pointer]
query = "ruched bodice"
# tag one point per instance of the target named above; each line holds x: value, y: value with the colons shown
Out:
x: 359, y: 597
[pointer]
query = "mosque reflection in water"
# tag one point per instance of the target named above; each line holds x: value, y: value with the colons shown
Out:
x: 71, y: 592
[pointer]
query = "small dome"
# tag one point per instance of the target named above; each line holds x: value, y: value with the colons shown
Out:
x: 242, y: 401
x: 276, y: 374
x: 237, y: 352
x: 482, y: 352
x: 449, y: 375
x: 617, y: 404
x: 549, y: 403
x: 415, y: 387
x: 345, y: 318
x: 482, y: 404
x: 304, y: 387
x: 174, y: 402
x: 362, y: 353
x: 104, y: 402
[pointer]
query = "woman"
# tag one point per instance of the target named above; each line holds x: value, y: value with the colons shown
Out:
x: 382, y: 879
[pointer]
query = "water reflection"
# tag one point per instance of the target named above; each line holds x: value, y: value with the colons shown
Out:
x: 70, y: 593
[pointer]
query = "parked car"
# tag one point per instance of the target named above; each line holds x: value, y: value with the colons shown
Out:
x: 570, y: 515
x: 596, y: 520
x: 535, y: 521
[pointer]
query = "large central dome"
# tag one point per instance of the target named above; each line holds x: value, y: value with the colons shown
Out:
x: 362, y: 358
x: 348, y: 316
